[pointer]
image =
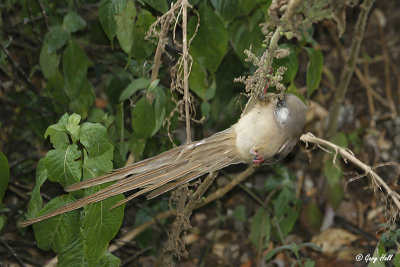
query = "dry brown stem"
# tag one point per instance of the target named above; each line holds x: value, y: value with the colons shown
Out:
x: 348, y: 156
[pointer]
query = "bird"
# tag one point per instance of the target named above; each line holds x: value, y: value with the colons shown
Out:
x: 264, y: 135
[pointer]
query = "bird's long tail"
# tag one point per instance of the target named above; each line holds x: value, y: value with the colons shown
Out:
x: 158, y: 174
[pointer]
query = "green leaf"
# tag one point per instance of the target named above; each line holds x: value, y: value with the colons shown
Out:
x: 100, y: 225
x: 290, y: 62
x: 160, y: 100
x: 73, y: 127
x: 73, y: 22
x: 160, y: 5
x: 211, y: 41
x: 4, y: 175
x: 205, y: 108
x: 137, y: 145
x: 75, y: 65
x: 243, y: 35
x: 198, y: 80
x: 314, y: 215
x: 109, y: 260
x: 141, y: 48
x: 153, y: 85
x: 57, y: 38
x: 94, y: 138
x: 36, y: 202
x: 240, y: 213
x: 125, y: 22
x: 118, y: 6
x: 340, y: 139
x: 72, y: 254
x: 245, y: 7
x: 332, y: 172
x: 314, y: 69
x: 63, y: 165
x: 133, y: 87
x: 226, y: 8
x: 335, y: 195
x: 260, y: 229
x: 84, y: 99
x: 58, y: 132
x: 143, y: 118
x: 106, y: 17
x: 48, y: 62
x: 55, y: 232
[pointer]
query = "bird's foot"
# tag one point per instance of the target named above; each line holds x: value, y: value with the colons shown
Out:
x: 258, y: 159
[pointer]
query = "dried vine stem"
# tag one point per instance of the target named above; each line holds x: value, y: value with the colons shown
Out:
x: 349, y: 156
x: 185, y: 69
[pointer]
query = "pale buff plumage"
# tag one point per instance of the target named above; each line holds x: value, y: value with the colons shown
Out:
x: 272, y: 135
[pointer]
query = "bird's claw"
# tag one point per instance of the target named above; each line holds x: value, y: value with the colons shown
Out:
x: 258, y: 159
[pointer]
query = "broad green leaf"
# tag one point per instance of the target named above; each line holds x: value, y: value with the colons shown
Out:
x: 4, y: 175
x: 73, y: 22
x: 106, y: 17
x: 94, y: 138
x: 198, y: 80
x: 340, y: 139
x: 211, y: 41
x: 314, y: 69
x: 160, y: 5
x: 72, y: 254
x: 75, y: 65
x: 118, y: 6
x: 141, y: 48
x: 335, y: 195
x: 290, y: 62
x: 287, y: 209
x: 153, y: 85
x: 100, y: 225
x: 245, y: 7
x: 260, y: 229
x: 58, y: 132
x: 48, y: 61
x: 159, y: 108
x: 73, y: 127
x: 332, y: 172
x: 133, y: 87
x: 137, y: 145
x: 125, y: 22
x: 240, y: 213
x: 243, y: 35
x: 63, y: 165
x: 56, y: 38
x: 226, y: 8
x: 84, y: 99
x: 314, y: 215
x: 143, y: 118
x: 55, y: 232
x: 378, y: 252
x: 36, y: 202
x: 55, y: 90
x: 205, y: 108
x: 109, y: 260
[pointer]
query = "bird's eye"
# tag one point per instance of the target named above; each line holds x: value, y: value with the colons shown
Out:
x: 281, y: 103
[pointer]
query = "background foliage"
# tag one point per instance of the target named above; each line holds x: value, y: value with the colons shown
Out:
x: 76, y: 80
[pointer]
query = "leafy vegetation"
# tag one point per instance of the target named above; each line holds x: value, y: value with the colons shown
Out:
x: 77, y: 76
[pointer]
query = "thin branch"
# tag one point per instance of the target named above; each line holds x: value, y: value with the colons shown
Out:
x: 349, y: 156
x: 185, y: 69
